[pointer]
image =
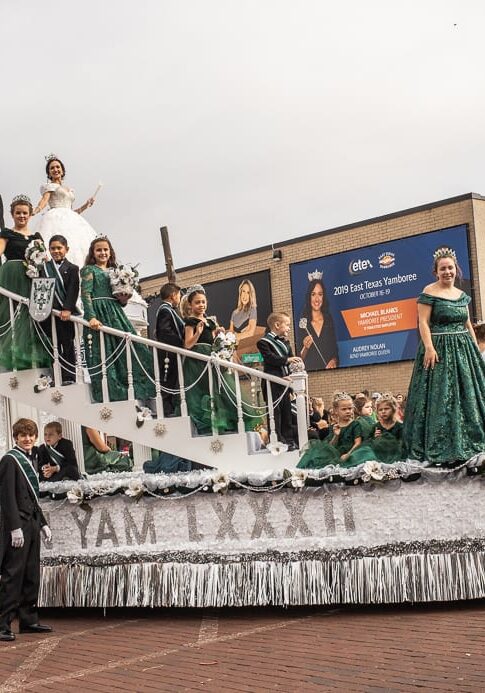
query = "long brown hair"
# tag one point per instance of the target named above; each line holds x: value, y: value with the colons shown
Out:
x: 90, y: 256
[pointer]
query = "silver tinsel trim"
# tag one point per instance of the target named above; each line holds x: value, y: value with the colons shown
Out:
x: 332, y: 476
x: 422, y: 577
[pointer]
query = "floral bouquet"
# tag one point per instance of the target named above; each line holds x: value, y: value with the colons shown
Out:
x: 35, y: 256
x: 224, y: 345
x: 123, y: 280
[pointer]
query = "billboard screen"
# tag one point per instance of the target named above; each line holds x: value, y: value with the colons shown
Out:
x: 223, y: 299
x: 359, y: 307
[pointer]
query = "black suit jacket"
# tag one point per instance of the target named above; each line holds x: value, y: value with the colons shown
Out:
x: 274, y: 362
x: 70, y: 276
x: 18, y: 503
x: 165, y: 330
x: 68, y: 466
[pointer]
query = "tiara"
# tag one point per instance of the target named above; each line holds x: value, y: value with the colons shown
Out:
x: 22, y: 198
x: 196, y: 289
x: 341, y: 396
x: 51, y: 157
x: 101, y: 237
x: 386, y: 397
x: 444, y: 252
x: 314, y: 275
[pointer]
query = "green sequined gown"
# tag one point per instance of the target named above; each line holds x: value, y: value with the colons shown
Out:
x: 20, y: 347
x: 445, y: 412
x: 96, y: 462
x: 320, y: 453
x: 98, y: 302
x: 223, y: 417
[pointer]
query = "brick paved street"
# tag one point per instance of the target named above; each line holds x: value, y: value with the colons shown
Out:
x: 376, y: 650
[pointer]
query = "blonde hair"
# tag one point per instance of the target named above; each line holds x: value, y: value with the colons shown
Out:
x: 273, y: 318
x: 252, y: 296
x: 387, y: 398
x: 184, y: 307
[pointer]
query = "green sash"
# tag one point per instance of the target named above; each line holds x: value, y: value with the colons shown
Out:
x: 56, y: 456
x: 27, y: 469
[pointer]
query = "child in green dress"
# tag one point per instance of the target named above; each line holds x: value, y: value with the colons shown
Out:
x: 385, y: 441
x: 344, y: 437
x: 102, y: 308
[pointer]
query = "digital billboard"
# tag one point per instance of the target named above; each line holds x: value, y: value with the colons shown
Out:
x: 359, y: 307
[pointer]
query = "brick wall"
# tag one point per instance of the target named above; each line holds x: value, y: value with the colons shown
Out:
x: 467, y: 209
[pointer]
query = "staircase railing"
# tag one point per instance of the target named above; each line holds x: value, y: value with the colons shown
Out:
x: 296, y: 381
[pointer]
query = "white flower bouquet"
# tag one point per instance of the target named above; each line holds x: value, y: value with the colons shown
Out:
x: 35, y: 256
x: 123, y: 280
x: 224, y: 345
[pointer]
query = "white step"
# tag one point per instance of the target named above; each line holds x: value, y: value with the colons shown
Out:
x: 228, y: 452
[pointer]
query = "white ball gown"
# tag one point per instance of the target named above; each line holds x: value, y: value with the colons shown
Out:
x: 61, y: 219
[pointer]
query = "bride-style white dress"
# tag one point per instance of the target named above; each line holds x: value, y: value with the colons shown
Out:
x: 61, y: 219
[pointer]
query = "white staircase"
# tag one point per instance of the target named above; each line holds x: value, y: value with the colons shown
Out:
x: 229, y: 452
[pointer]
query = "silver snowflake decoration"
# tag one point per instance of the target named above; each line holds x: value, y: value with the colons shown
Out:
x: 57, y: 396
x: 159, y: 429
x: 106, y: 413
x: 13, y: 382
x: 216, y: 446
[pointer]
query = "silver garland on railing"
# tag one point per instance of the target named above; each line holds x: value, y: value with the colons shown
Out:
x: 136, y: 484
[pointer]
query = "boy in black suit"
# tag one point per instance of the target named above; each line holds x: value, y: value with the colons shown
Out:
x: 56, y: 458
x: 65, y: 298
x: 22, y: 522
x: 170, y: 329
x: 277, y: 355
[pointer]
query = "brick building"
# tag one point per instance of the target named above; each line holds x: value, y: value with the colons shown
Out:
x: 468, y: 209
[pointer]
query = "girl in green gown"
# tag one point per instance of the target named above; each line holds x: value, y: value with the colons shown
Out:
x: 343, y: 438
x: 101, y: 308
x: 384, y: 442
x: 365, y: 415
x: 20, y: 346
x: 200, y: 332
x: 98, y: 456
x: 444, y: 421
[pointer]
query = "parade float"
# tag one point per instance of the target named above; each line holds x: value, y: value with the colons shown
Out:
x: 246, y: 527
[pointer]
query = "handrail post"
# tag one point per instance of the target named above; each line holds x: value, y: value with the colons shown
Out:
x: 55, y: 348
x: 183, y: 401
x: 299, y: 380
x: 77, y: 351
x: 211, y: 396
x: 158, y: 388
x: 104, y: 380
x: 240, y: 417
x: 273, y: 438
x: 12, y: 327
x: 129, y: 368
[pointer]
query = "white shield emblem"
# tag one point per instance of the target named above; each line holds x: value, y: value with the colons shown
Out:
x: 41, y: 298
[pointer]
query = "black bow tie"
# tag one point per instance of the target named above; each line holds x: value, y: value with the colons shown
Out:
x: 281, y: 339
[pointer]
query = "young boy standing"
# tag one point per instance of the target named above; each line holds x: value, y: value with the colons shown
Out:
x: 22, y: 522
x: 170, y: 330
x: 65, y: 298
x: 277, y: 355
x: 56, y: 457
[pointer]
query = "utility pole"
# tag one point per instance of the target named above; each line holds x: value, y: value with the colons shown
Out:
x: 171, y: 276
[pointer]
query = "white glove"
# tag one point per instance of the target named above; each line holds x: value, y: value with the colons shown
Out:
x: 17, y: 538
x: 46, y: 532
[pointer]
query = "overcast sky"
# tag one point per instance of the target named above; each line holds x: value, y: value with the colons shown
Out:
x: 239, y: 123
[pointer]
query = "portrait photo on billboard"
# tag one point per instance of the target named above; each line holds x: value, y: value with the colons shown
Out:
x: 359, y: 307
x: 240, y: 304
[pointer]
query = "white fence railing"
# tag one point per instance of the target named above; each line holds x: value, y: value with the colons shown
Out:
x: 213, y: 364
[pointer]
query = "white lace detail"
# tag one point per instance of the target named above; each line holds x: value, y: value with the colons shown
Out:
x: 60, y: 196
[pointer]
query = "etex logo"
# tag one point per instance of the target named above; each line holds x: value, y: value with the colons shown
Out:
x: 358, y: 266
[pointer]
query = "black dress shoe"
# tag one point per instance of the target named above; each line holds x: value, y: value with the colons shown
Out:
x: 6, y: 635
x: 35, y: 628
